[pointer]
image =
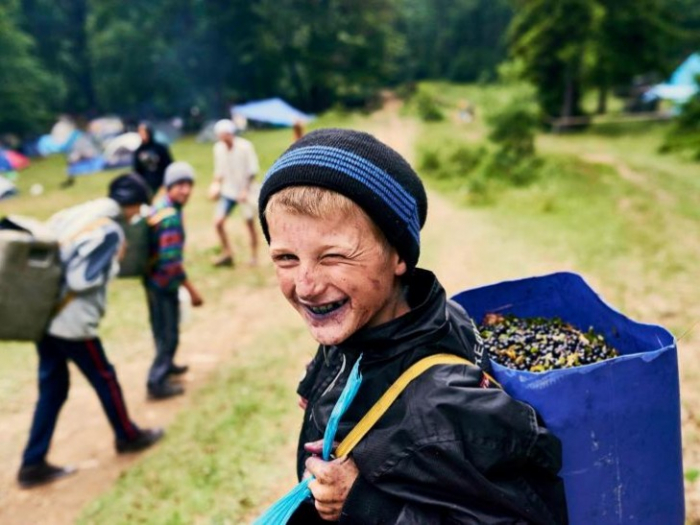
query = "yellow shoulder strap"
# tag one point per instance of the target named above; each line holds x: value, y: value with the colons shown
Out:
x: 388, y: 398
x: 159, y: 216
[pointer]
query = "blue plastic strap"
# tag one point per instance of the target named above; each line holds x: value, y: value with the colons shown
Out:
x: 280, y: 512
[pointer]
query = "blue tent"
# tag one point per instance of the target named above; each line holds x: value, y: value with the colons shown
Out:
x: 682, y: 85
x: 273, y: 111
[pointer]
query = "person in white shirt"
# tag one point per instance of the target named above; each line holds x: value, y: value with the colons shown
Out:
x: 235, y: 167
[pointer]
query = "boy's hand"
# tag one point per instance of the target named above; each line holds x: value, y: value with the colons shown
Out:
x: 333, y: 482
x: 196, y: 298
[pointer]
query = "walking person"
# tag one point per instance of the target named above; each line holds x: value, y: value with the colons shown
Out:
x: 151, y: 158
x: 166, y: 275
x: 235, y: 167
x: 91, y: 242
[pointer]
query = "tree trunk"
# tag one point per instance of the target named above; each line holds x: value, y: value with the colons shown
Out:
x: 602, y: 99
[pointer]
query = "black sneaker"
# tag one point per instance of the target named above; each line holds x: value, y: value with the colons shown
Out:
x: 165, y: 391
x: 178, y: 370
x: 146, y: 438
x: 34, y: 475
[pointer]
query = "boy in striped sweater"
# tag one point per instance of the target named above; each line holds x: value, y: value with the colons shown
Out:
x: 166, y: 275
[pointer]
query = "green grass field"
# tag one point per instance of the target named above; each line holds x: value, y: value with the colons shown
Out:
x: 605, y: 202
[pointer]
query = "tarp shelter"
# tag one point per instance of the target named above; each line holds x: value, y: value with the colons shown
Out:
x: 273, y: 111
x: 682, y: 85
x: 7, y: 188
x: 119, y: 151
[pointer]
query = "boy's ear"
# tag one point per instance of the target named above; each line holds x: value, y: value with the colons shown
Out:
x: 400, y: 267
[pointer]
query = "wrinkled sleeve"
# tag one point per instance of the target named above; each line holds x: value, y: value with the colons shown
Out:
x: 468, y: 456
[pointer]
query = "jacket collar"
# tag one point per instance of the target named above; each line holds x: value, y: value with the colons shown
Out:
x: 425, y: 322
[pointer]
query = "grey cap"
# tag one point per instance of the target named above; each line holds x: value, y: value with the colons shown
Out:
x: 178, y: 172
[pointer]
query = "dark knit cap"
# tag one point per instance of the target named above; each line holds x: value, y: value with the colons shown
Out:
x: 129, y: 189
x: 364, y: 170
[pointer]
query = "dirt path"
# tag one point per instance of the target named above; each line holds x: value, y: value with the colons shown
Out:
x: 460, y: 245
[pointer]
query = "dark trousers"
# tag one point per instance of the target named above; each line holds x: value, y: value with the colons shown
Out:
x: 54, y: 382
x: 164, y: 311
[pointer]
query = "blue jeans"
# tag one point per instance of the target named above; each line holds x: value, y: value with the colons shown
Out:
x: 54, y: 382
x: 164, y: 311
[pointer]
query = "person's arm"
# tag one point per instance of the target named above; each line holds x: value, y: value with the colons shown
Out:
x: 195, y: 297
x: 486, y: 455
x: 219, y: 162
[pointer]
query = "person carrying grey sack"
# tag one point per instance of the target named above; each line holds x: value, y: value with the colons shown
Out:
x: 165, y: 276
x: 92, y: 241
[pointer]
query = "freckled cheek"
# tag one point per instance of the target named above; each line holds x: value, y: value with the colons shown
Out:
x: 285, y: 280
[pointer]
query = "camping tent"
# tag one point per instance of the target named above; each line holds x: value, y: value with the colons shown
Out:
x: 682, y: 85
x: 61, y: 138
x: 273, y: 111
x: 119, y: 151
x: 11, y: 160
x: 105, y: 128
x: 84, y: 156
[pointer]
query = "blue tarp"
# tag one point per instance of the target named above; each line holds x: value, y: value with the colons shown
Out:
x: 682, y: 85
x: 271, y: 111
x: 618, y: 420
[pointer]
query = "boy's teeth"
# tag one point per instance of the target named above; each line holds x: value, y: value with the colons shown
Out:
x: 326, y: 307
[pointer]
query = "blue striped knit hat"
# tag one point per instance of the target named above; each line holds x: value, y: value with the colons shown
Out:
x: 364, y: 170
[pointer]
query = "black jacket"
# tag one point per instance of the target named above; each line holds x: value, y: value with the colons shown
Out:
x: 452, y: 448
x: 150, y: 160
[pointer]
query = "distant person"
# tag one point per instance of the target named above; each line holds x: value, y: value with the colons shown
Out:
x: 165, y: 276
x: 91, y: 243
x: 235, y: 167
x: 298, y: 130
x: 151, y: 158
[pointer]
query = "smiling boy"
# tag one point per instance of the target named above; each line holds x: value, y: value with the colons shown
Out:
x: 166, y: 275
x: 342, y: 213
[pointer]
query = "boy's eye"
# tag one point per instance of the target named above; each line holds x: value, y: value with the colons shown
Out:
x: 284, y: 257
x: 333, y: 256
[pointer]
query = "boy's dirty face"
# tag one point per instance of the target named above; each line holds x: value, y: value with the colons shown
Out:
x: 180, y: 193
x: 336, y: 272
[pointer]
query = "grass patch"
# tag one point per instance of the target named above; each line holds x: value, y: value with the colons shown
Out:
x: 221, y: 459
x: 605, y: 201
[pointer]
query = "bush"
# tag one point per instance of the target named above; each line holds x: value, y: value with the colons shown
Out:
x: 429, y: 161
x: 514, y: 128
x: 685, y: 133
x: 428, y: 108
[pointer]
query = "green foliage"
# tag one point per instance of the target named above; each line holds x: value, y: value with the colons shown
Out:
x: 692, y: 475
x: 427, y: 107
x: 486, y: 171
x: 513, y: 130
x: 24, y: 88
x: 460, y: 40
x: 564, y: 44
x: 685, y: 132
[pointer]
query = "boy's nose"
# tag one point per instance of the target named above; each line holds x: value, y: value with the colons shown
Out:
x: 308, y: 283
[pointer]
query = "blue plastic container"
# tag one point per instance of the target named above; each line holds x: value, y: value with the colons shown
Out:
x: 618, y: 420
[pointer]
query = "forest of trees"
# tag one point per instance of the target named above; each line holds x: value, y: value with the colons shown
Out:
x: 146, y: 58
